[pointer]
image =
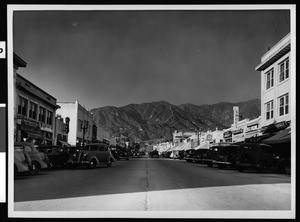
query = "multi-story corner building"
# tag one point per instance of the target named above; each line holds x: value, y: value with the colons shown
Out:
x: 81, y: 125
x: 276, y: 86
x: 34, y: 110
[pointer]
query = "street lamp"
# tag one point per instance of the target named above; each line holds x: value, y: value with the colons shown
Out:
x: 84, y: 128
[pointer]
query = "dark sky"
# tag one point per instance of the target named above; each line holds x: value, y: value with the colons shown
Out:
x: 114, y: 58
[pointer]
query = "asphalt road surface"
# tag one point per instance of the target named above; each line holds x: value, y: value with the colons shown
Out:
x: 150, y: 184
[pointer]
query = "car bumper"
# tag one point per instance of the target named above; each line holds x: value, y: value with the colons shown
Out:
x: 224, y: 163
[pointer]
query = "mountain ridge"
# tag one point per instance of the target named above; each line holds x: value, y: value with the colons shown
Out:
x: 159, y: 119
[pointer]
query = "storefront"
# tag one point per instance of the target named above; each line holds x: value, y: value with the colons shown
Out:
x: 238, y: 135
x: 227, y: 135
x: 31, y: 131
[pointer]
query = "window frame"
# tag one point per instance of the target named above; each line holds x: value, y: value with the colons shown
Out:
x: 269, y: 111
x: 270, y: 82
x: 284, y: 74
x: 23, y: 110
x: 283, y: 108
x: 33, y: 113
x: 43, y: 120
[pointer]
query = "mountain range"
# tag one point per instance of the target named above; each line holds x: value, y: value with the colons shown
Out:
x: 158, y: 120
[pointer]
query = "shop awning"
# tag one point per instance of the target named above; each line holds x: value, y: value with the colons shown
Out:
x: 280, y: 137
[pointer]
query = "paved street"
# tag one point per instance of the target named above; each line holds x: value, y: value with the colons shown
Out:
x: 145, y: 184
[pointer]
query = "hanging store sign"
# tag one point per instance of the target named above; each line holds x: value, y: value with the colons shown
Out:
x: 227, y: 134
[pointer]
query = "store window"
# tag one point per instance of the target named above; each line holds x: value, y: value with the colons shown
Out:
x: 284, y: 70
x: 33, y: 110
x: 42, y: 114
x: 270, y: 79
x: 49, y: 117
x: 80, y: 125
x: 22, y: 107
x: 284, y: 105
x: 269, y: 110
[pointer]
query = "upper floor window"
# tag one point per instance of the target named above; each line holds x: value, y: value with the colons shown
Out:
x: 284, y: 70
x: 269, y: 110
x: 42, y: 115
x: 32, y: 110
x: 22, y: 107
x: 284, y: 105
x: 270, y: 79
x: 49, y: 117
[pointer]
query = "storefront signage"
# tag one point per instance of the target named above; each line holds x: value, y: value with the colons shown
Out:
x: 30, y: 125
x: 235, y: 116
x: 46, y: 127
x: 227, y: 134
x: 237, y: 131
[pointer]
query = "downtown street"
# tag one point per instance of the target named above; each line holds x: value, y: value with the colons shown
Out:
x: 152, y: 184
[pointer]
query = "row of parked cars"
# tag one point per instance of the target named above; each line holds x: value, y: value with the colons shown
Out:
x: 29, y: 159
x: 242, y: 156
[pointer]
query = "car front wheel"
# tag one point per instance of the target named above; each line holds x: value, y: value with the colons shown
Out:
x: 35, y: 167
x: 92, y: 164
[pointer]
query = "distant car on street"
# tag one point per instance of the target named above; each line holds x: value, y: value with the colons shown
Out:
x: 124, y: 153
x: 136, y: 154
x: 190, y: 156
x: 92, y: 155
x: 39, y: 159
x: 200, y: 154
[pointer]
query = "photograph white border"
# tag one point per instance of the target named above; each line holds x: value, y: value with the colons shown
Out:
x: 145, y: 214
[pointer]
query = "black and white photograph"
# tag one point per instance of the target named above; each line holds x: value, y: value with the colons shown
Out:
x: 151, y: 111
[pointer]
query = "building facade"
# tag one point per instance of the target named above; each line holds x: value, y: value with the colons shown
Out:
x: 81, y: 122
x: 34, y: 110
x: 276, y: 86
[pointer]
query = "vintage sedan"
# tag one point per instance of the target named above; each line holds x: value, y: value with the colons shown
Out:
x: 22, y: 162
x: 227, y: 156
x: 92, y: 155
x: 256, y: 156
x: 58, y: 155
x: 212, y: 154
x: 39, y: 159
x: 136, y: 154
x: 200, y: 154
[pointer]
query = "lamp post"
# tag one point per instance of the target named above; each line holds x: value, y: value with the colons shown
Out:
x: 84, y: 128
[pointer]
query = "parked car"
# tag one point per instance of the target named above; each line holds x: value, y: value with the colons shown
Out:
x: 190, y: 156
x: 227, y: 156
x: 58, y: 155
x: 123, y: 153
x: 212, y: 154
x: 200, y: 154
x: 136, y: 154
x: 115, y: 152
x: 92, y: 155
x: 256, y: 156
x: 22, y: 162
x: 154, y: 154
x: 39, y: 159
